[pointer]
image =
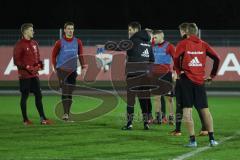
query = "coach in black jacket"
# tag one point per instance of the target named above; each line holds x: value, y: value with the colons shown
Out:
x: 142, y: 49
x: 139, y: 59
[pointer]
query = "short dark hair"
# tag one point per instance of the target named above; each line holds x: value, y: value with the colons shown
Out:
x: 135, y: 25
x: 68, y: 24
x: 183, y: 26
x: 192, y: 29
x: 157, y: 32
x: 25, y: 26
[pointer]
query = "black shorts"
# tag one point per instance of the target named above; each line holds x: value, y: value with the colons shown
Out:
x: 168, y: 77
x: 192, y: 94
x: 66, y: 77
x: 30, y: 85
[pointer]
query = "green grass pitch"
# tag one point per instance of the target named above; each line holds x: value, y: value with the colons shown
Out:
x: 103, y: 138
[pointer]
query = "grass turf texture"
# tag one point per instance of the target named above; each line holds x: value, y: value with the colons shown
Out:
x: 103, y: 138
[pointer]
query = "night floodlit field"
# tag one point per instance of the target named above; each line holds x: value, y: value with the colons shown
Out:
x: 103, y: 138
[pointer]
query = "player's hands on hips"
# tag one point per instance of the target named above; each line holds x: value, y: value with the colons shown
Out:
x: 180, y: 74
x: 208, y: 80
x: 174, y: 76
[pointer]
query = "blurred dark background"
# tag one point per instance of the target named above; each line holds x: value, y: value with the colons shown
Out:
x: 116, y: 14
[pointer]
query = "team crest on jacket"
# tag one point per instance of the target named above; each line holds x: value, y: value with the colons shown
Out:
x: 35, y: 48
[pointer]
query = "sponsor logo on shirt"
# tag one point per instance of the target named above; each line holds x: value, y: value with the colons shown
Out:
x: 145, y: 44
x: 145, y: 53
x: 35, y: 48
x: 195, y: 52
x: 70, y: 50
x: 195, y: 62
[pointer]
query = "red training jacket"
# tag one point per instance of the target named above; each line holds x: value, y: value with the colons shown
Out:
x: 190, y: 57
x: 26, y: 52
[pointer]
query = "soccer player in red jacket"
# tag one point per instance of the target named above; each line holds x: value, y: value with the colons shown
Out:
x: 27, y: 59
x: 190, y: 61
x: 179, y: 112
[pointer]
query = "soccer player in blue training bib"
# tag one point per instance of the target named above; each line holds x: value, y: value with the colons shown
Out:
x: 163, y: 53
x: 66, y: 52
